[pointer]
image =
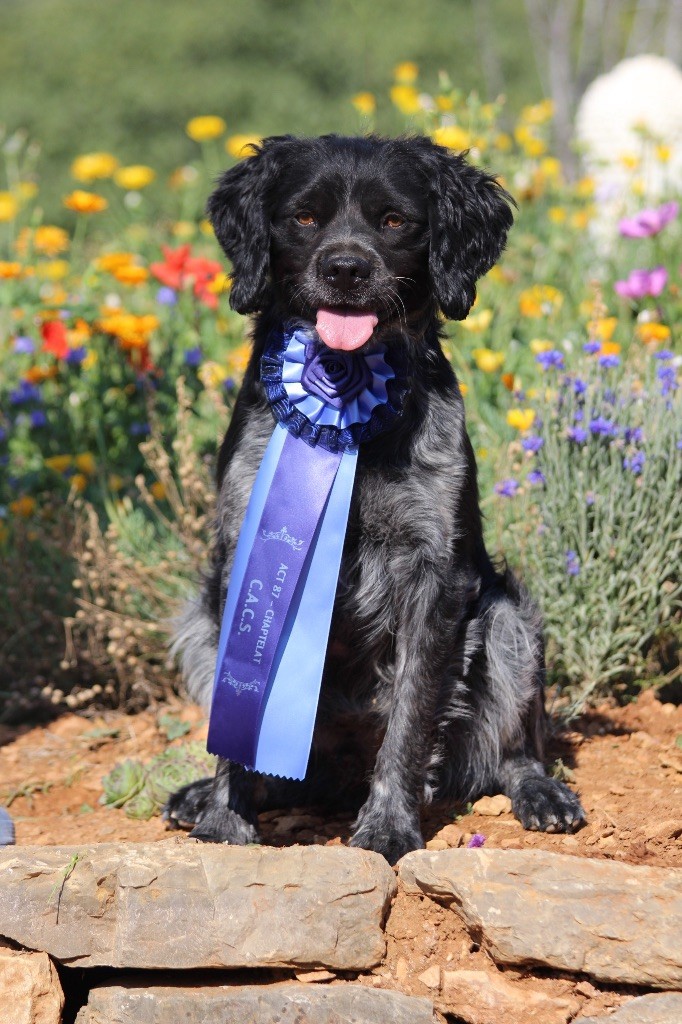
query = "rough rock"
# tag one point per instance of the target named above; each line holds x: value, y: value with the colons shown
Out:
x: 612, y: 921
x: 252, y: 1004
x: 430, y: 978
x: 183, y: 904
x: 492, y: 806
x: 665, y: 1008
x: 30, y: 992
x: 479, y: 997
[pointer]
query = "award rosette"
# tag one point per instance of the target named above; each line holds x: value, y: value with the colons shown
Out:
x: 278, y: 608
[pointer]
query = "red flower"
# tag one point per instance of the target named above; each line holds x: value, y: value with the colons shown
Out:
x: 172, y: 272
x: 54, y: 338
x: 181, y: 269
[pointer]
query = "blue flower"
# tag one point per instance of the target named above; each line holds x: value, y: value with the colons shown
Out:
x: 633, y: 435
x: 532, y: 443
x: 572, y: 563
x: 536, y: 477
x: 551, y: 358
x: 609, y: 362
x: 668, y: 379
x: 507, y: 488
x: 635, y: 463
x: 602, y: 426
x: 138, y: 429
x: 23, y: 345
x: 591, y: 347
x: 579, y: 386
x: 577, y: 434
x: 25, y: 393
x: 590, y: 498
x: 193, y: 356
x: 579, y: 415
x: 38, y: 418
x: 664, y: 354
x: 75, y: 356
x: 229, y: 384
x: 166, y: 296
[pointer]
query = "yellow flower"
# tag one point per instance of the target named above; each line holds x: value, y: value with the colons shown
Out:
x: 609, y: 348
x: 53, y: 270
x: 663, y: 153
x: 406, y: 99
x: 158, y: 491
x: 79, y: 482
x: 532, y: 145
x: 538, y: 345
x: 238, y: 359
x: 85, y: 202
x: 27, y: 190
x: 503, y: 142
x: 477, y: 322
x: 50, y: 240
x: 603, y: 328
x: 557, y: 214
x: 24, y: 506
x: 202, y: 129
x: 136, y: 176
x: 238, y: 146
x: 89, y: 361
x: 92, y: 166
x: 521, y: 419
x: 584, y: 188
x: 365, y: 103
x: 487, y: 360
x: 131, y: 274
x: 184, y: 229
x: 212, y: 374
x: 406, y: 73
x: 540, y: 300
x: 630, y: 161
x: 445, y: 103
x: 114, y: 482
x: 86, y: 463
x: 9, y: 271
x: 463, y: 388
x: 539, y: 113
x: 9, y: 207
x: 652, y: 332
x: 551, y: 168
x: 79, y: 334
x: 206, y: 228
x: 581, y: 218
x: 452, y: 136
x: 111, y: 261
x: 59, y: 463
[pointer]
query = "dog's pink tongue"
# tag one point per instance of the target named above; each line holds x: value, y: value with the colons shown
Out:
x: 346, y: 331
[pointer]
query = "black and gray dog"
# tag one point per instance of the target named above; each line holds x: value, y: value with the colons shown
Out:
x: 433, y: 684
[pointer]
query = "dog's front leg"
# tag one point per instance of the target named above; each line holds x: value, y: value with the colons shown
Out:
x: 389, y: 820
x: 229, y: 815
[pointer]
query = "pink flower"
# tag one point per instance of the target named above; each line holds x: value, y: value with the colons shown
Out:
x: 648, y: 222
x: 642, y: 282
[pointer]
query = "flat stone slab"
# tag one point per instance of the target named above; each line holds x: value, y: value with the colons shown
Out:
x: 253, y: 1004
x: 665, y: 1008
x: 612, y: 921
x: 30, y: 992
x: 184, y: 904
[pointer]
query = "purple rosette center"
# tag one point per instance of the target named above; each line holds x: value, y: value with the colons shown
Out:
x: 335, y: 377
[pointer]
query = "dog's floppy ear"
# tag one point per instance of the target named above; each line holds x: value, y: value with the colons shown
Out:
x: 240, y: 215
x: 469, y: 217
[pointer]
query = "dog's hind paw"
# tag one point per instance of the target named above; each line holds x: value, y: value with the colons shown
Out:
x: 546, y: 805
x: 185, y: 807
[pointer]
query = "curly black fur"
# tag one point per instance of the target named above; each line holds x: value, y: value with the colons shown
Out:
x: 433, y: 684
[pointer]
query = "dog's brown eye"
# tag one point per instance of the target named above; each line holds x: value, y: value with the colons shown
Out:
x: 393, y: 220
x: 305, y: 218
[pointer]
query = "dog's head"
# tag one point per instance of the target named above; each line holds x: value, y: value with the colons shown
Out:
x: 351, y: 232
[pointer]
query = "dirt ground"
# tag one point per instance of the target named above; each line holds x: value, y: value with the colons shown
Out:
x: 626, y: 762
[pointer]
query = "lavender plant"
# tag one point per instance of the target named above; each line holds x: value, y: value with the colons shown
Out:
x: 592, y: 514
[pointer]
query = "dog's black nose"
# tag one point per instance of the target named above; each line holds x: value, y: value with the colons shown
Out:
x: 345, y: 270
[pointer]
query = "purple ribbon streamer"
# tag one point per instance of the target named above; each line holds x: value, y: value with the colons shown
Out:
x: 298, y: 494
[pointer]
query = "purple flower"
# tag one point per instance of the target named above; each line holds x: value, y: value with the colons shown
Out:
x: 609, y: 362
x: 579, y: 386
x: 602, y: 426
x: 551, y: 358
x: 532, y: 443
x: 229, y: 384
x: 664, y: 355
x: 642, y: 282
x: 577, y: 434
x: 38, y: 418
x: 635, y: 463
x: 572, y: 563
x: 25, y: 393
x: 668, y: 379
x: 506, y: 488
x: 23, y: 345
x: 536, y: 477
x: 166, y: 296
x: 579, y: 415
x: 138, y: 429
x: 648, y: 222
x: 75, y: 356
x: 476, y: 841
x: 591, y: 347
x: 633, y: 435
x: 193, y: 356
x: 590, y: 498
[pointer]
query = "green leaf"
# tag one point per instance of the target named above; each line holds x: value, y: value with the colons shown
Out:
x: 173, y: 727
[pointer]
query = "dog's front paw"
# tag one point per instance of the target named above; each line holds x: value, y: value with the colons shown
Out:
x: 387, y: 834
x: 184, y: 808
x: 225, y: 827
x: 546, y: 805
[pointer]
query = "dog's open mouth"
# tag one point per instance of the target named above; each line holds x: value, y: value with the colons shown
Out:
x: 345, y: 329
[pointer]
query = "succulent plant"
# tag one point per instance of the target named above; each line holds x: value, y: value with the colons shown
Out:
x: 176, y: 767
x: 122, y: 783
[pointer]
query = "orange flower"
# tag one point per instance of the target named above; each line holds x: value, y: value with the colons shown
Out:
x: 85, y: 202
x: 50, y: 240
x: 131, y: 274
x: 651, y: 333
x: 24, y: 506
x: 10, y: 271
x: 37, y: 374
x: 131, y: 331
x: 112, y: 261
